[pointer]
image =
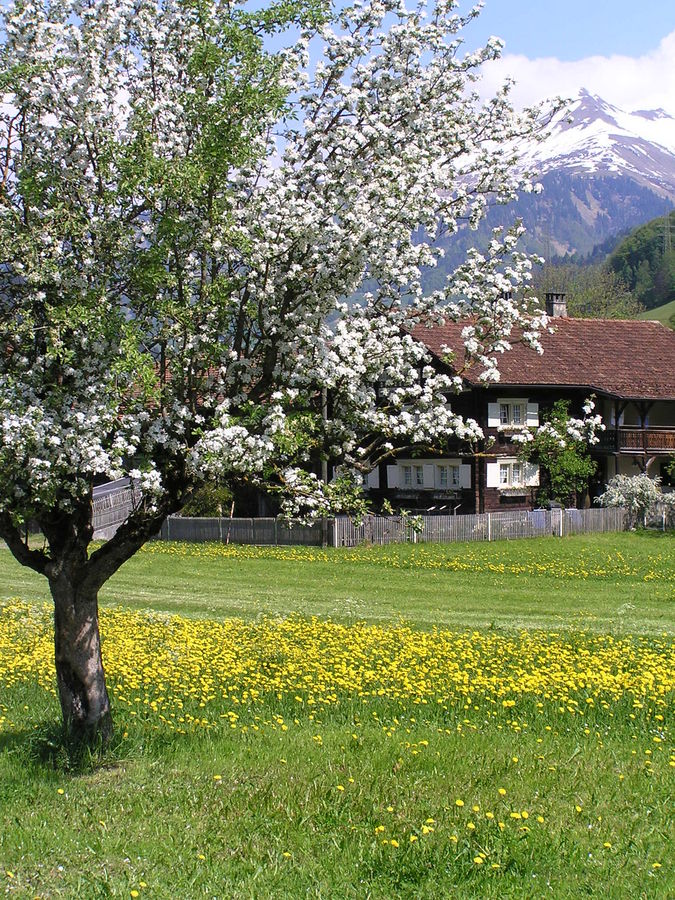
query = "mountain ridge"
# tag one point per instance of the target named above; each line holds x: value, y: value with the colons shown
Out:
x: 596, y: 137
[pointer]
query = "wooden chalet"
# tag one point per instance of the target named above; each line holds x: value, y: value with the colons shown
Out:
x: 628, y: 365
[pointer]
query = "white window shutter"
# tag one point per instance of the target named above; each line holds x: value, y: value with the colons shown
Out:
x: 532, y: 414
x: 492, y: 474
x: 429, y: 476
x: 531, y: 474
x: 493, y: 415
x: 392, y: 476
x: 374, y: 478
x: 465, y: 476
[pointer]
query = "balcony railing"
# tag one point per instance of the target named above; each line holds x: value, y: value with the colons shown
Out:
x: 637, y: 440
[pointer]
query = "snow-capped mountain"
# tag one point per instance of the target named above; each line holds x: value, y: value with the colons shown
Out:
x: 603, y: 170
x: 595, y: 138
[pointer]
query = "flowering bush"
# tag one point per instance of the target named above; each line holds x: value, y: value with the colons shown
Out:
x: 638, y: 494
x: 560, y: 446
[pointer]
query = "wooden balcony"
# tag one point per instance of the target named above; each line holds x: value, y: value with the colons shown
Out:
x: 648, y: 441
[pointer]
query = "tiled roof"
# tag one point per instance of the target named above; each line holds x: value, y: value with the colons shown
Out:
x: 626, y: 358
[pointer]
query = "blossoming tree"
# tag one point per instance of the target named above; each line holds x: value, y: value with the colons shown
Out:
x: 199, y: 238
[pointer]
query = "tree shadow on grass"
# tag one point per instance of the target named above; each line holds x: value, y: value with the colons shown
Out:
x: 656, y: 534
x: 50, y: 745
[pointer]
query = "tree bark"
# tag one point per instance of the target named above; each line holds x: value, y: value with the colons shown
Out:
x: 79, y: 665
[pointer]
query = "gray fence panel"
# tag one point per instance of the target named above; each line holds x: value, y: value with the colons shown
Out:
x: 110, y: 510
x: 584, y: 521
x: 241, y: 531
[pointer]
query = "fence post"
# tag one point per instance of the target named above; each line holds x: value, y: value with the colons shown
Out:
x: 489, y: 527
x: 168, y: 528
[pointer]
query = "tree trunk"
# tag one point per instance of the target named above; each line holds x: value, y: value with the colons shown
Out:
x: 79, y: 665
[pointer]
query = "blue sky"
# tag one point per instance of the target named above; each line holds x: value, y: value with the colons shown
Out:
x: 576, y: 29
x: 622, y: 50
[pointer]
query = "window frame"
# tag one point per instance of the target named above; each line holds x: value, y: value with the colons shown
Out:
x: 508, y: 469
x: 508, y: 415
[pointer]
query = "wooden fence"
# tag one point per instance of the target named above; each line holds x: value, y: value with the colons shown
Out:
x: 342, y: 532
x: 484, y: 527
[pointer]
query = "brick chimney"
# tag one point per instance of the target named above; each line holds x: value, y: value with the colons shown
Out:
x: 556, y: 305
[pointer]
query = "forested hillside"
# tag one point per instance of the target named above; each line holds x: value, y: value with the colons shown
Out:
x: 645, y: 262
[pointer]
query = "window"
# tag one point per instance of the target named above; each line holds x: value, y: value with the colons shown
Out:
x: 511, y: 474
x: 448, y: 477
x: 413, y: 476
x: 512, y: 414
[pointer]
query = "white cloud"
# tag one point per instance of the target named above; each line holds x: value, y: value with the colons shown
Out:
x: 644, y: 82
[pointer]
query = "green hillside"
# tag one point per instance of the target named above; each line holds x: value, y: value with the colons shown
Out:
x: 664, y: 313
x: 645, y: 262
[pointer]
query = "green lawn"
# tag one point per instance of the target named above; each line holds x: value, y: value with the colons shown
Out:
x: 462, y: 721
x: 665, y: 313
x: 605, y: 582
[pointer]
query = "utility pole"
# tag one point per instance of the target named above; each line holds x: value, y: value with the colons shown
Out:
x: 667, y: 236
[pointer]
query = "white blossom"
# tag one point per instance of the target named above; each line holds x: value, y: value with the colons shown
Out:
x: 293, y: 267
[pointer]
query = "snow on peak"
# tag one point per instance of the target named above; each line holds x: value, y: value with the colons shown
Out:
x: 595, y: 136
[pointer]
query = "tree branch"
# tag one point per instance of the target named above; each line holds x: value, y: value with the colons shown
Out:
x: 34, y: 559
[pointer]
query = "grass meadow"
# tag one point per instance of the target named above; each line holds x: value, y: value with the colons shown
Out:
x: 413, y: 721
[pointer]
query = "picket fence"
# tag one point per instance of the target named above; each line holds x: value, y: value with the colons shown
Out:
x: 342, y: 532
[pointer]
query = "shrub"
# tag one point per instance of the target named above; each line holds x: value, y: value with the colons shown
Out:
x: 638, y: 494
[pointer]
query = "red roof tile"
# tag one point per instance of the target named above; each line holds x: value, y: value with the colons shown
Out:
x: 626, y: 358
